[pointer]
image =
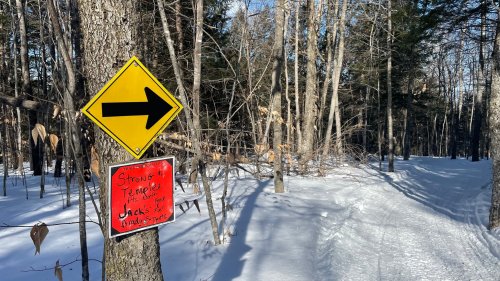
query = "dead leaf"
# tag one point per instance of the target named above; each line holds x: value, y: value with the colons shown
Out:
x: 260, y: 148
x: 38, y: 234
x: 216, y: 156
x: 270, y: 156
x: 58, y: 271
x: 38, y: 131
x: 53, y: 142
x: 57, y: 110
x: 94, y: 163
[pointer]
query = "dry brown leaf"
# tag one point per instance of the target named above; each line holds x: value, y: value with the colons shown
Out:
x: 38, y: 131
x: 38, y: 233
x: 270, y: 156
x: 216, y: 156
x: 58, y: 271
x: 94, y: 162
x: 260, y: 148
x: 57, y: 110
x: 53, y: 142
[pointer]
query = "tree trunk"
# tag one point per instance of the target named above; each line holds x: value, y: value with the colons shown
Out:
x: 193, y: 126
x: 196, y: 88
x: 334, y: 103
x: 478, y: 102
x: 390, y: 154
x: 4, y: 152
x: 310, y: 108
x: 27, y: 90
x: 73, y: 132
x: 331, y: 30
x: 409, y: 120
x: 296, y: 77
x: 276, y: 89
x: 196, y: 117
x: 495, y: 130
x: 113, y: 23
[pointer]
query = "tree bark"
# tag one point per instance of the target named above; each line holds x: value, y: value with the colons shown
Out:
x: 390, y: 153
x: 331, y: 30
x: 409, y: 120
x: 276, y: 89
x: 478, y: 101
x: 4, y: 137
x: 296, y: 77
x: 494, y: 220
x: 109, y: 40
x: 310, y: 108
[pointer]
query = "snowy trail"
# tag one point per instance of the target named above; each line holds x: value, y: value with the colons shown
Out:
x: 426, y: 221
x: 415, y: 224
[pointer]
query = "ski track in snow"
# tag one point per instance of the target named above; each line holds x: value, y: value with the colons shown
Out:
x: 415, y: 224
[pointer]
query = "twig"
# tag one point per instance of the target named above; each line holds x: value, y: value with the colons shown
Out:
x: 54, y: 224
x: 60, y: 265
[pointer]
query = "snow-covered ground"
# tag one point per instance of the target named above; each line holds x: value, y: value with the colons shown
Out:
x: 426, y: 221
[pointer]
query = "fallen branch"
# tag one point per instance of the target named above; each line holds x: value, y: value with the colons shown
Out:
x: 21, y: 102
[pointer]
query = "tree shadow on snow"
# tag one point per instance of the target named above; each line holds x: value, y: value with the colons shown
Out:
x: 446, y: 186
x: 231, y: 265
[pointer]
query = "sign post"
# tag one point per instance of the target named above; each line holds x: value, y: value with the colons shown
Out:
x: 141, y: 195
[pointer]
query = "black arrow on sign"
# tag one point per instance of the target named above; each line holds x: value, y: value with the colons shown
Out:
x: 155, y: 108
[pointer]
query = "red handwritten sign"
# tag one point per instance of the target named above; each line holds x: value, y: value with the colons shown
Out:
x: 141, y: 195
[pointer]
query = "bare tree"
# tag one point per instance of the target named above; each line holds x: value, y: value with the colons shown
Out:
x: 478, y: 101
x: 296, y: 76
x: 334, y: 104
x: 311, y: 95
x: 390, y: 154
x: 27, y: 90
x: 192, y: 115
x: 278, y: 59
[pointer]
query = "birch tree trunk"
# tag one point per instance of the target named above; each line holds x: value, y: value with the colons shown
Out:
x: 334, y: 104
x: 196, y: 118
x: 110, y: 39
x: 408, y: 134
x: 331, y: 29
x: 193, y: 125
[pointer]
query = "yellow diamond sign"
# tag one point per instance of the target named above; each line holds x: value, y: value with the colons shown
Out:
x: 133, y: 107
